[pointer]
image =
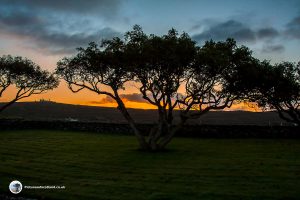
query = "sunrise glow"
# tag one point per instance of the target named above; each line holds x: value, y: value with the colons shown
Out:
x: 53, y: 33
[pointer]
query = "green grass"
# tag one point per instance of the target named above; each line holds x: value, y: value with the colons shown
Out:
x: 95, y: 166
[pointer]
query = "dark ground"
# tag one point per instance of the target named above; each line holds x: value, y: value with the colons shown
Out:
x: 101, y: 166
x: 36, y: 111
x: 108, y: 166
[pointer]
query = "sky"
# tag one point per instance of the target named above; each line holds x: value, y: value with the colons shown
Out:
x: 47, y: 31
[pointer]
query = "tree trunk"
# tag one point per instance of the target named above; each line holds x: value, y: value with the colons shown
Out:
x: 7, y: 105
x: 292, y: 115
x: 141, y: 139
x: 156, y: 134
x: 167, y: 139
x: 155, y: 140
x: 151, y: 138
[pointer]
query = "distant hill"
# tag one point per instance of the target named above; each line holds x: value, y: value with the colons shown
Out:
x: 47, y: 110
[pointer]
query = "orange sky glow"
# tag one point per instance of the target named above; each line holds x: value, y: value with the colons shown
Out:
x: 63, y: 95
x: 47, y: 31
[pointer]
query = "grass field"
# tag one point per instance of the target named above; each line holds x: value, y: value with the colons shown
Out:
x: 99, y: 166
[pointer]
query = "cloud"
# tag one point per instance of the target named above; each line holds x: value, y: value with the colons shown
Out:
x: 224, y: 30
x: 18, y: 19
x: 237, y: 30
x: 241, y: 32
x: 50, y: 33
x: 134, y: 97
x: 107, y: 8
x: 104, y: 100
x: 65, y: 43
x: 277, y: 48
x: 267, y: 33
x: 293, y: 28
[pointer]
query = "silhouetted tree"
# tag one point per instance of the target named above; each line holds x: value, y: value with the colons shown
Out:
x: 170, y: 71
x: 278, y: 87
x: 25, y: 76
x: 102, y: 70
x: 160, y: 66
x: 207, y: 75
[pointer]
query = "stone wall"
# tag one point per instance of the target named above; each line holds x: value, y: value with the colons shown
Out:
x: 202, y: 131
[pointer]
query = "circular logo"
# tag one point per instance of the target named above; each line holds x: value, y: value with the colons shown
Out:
x: 15, y: 187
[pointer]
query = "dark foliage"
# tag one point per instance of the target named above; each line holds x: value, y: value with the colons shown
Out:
x: 171, y: 72
x: 26, y: 76
x: 278, y: 87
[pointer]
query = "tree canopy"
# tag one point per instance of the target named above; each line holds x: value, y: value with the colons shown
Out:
x: 171, y: 72
x: 27, y: 77
x: 277, y: 87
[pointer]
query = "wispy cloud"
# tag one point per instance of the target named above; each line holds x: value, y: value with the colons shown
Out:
x: 223, y: 30
x: 45, y: 25
x: 273, y: 48
x: 134, y: 97
x: 237, y: 30
x: 107, y: 8
x: 267, y: 33
x: 270, y: 38
x: 293, y: 28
